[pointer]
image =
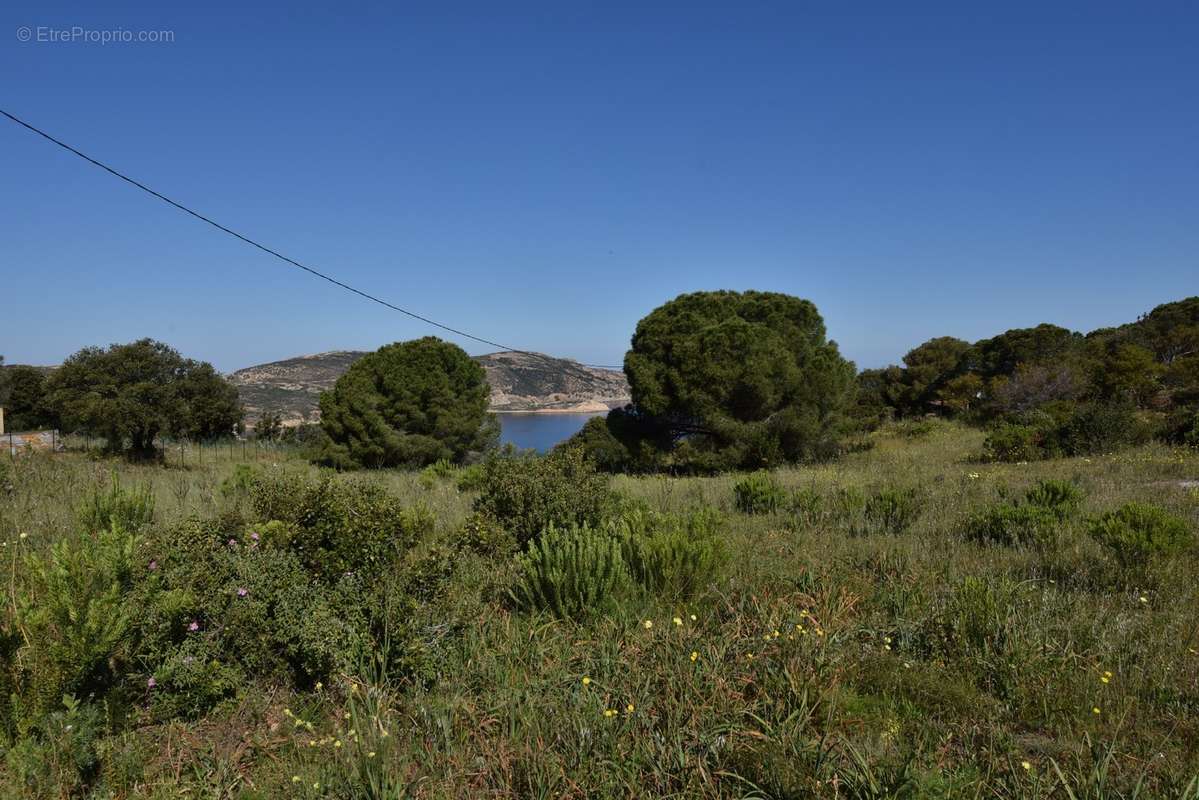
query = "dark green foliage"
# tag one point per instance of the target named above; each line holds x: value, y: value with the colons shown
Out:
x: 1002, y: 354
x: 408, y: 404
x: 601, y: 446
x: 738, y: 380
x: 1088, y: 429
x: 927, y: 369
x: 1013, y: 443
x: 672, y: 556
x: 129, y: 509
x: 891, y: 511
x: 1136, y: 533
x: 25, y: 406
x: 1099, y: 428
x: 1026, y: 525
x: 131, y: 393
x: 759, y: 493
x: 1061, y: 497
x: 527, y: 494
x: 337, y: 525
x: 572, y: 572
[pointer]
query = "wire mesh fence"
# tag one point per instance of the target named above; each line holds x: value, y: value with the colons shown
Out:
x: 172, y: 452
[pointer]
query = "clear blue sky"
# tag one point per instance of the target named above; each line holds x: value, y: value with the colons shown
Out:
x: 545, y: 175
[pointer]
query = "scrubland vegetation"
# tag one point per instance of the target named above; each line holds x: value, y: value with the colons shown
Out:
x: 970, y: 576
x: 905, y: 621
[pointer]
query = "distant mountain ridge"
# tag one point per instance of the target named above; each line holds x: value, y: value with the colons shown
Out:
x: 519, y: 382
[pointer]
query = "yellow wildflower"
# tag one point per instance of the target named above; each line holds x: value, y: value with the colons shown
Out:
x: 649, y: 623
x: 371, y: 754
x: 677, y: 620
x: 694, y: 655
x: 586, y: 681
x: 609, y: 712
x: 629, y: 708
x: 1095, y: 710
x: 1027, y: 766
x: 693, y: 618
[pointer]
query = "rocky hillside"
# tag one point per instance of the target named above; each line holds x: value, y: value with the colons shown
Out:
x: 519, y: 382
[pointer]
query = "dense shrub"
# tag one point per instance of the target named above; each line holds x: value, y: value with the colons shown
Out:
x: 759, y: 493
x: 337, y: 525
x: 1135, y: 533
x: 1014, y: 525
x: 530, y: 494
x: 219, y: 605
x: 1012, y: 442
x: 670, y: 555
x: 891, y: 511
x: 1061, y: 497
x: 1099, y: 428
x: 483, y: 535
x: 572, y: 572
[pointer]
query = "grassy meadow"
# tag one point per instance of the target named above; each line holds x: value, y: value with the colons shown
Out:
x: 834, y: 653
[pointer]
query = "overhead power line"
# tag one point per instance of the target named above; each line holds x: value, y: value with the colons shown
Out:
x: 269, y: 250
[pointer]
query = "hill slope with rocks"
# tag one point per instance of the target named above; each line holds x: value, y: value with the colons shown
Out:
x: 519, y: 382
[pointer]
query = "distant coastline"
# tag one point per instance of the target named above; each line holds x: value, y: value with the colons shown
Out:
x: 579, y: 408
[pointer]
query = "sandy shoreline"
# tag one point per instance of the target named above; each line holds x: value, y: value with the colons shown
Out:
x: 582, y: 408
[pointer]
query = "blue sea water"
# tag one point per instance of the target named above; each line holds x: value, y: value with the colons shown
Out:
x: 540, y: 431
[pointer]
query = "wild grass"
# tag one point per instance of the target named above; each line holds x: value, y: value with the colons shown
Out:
x: 819, y: 663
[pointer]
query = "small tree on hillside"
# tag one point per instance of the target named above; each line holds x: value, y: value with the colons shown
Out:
x: 409, y: 403
x: 130, y: 393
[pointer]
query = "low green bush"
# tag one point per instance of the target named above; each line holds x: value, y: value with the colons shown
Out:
x: 915, y: 428
x: 1063, y: 498
x: 669, y: 555
x: 1137, y: 533
x: 572, y: 572
x: 759, y: 493
x: 808, y: 507
x: 891, y: 511
x: 1010, y: 524
x: 337, y: 524
x: 530, y: 494
x: 1099, y: 428
x: 483, y: 535
x: 1012, y: 443
x: 75, y: 619
x: 131, y: 509
x: 59, y: 755
x: 213, y: 609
